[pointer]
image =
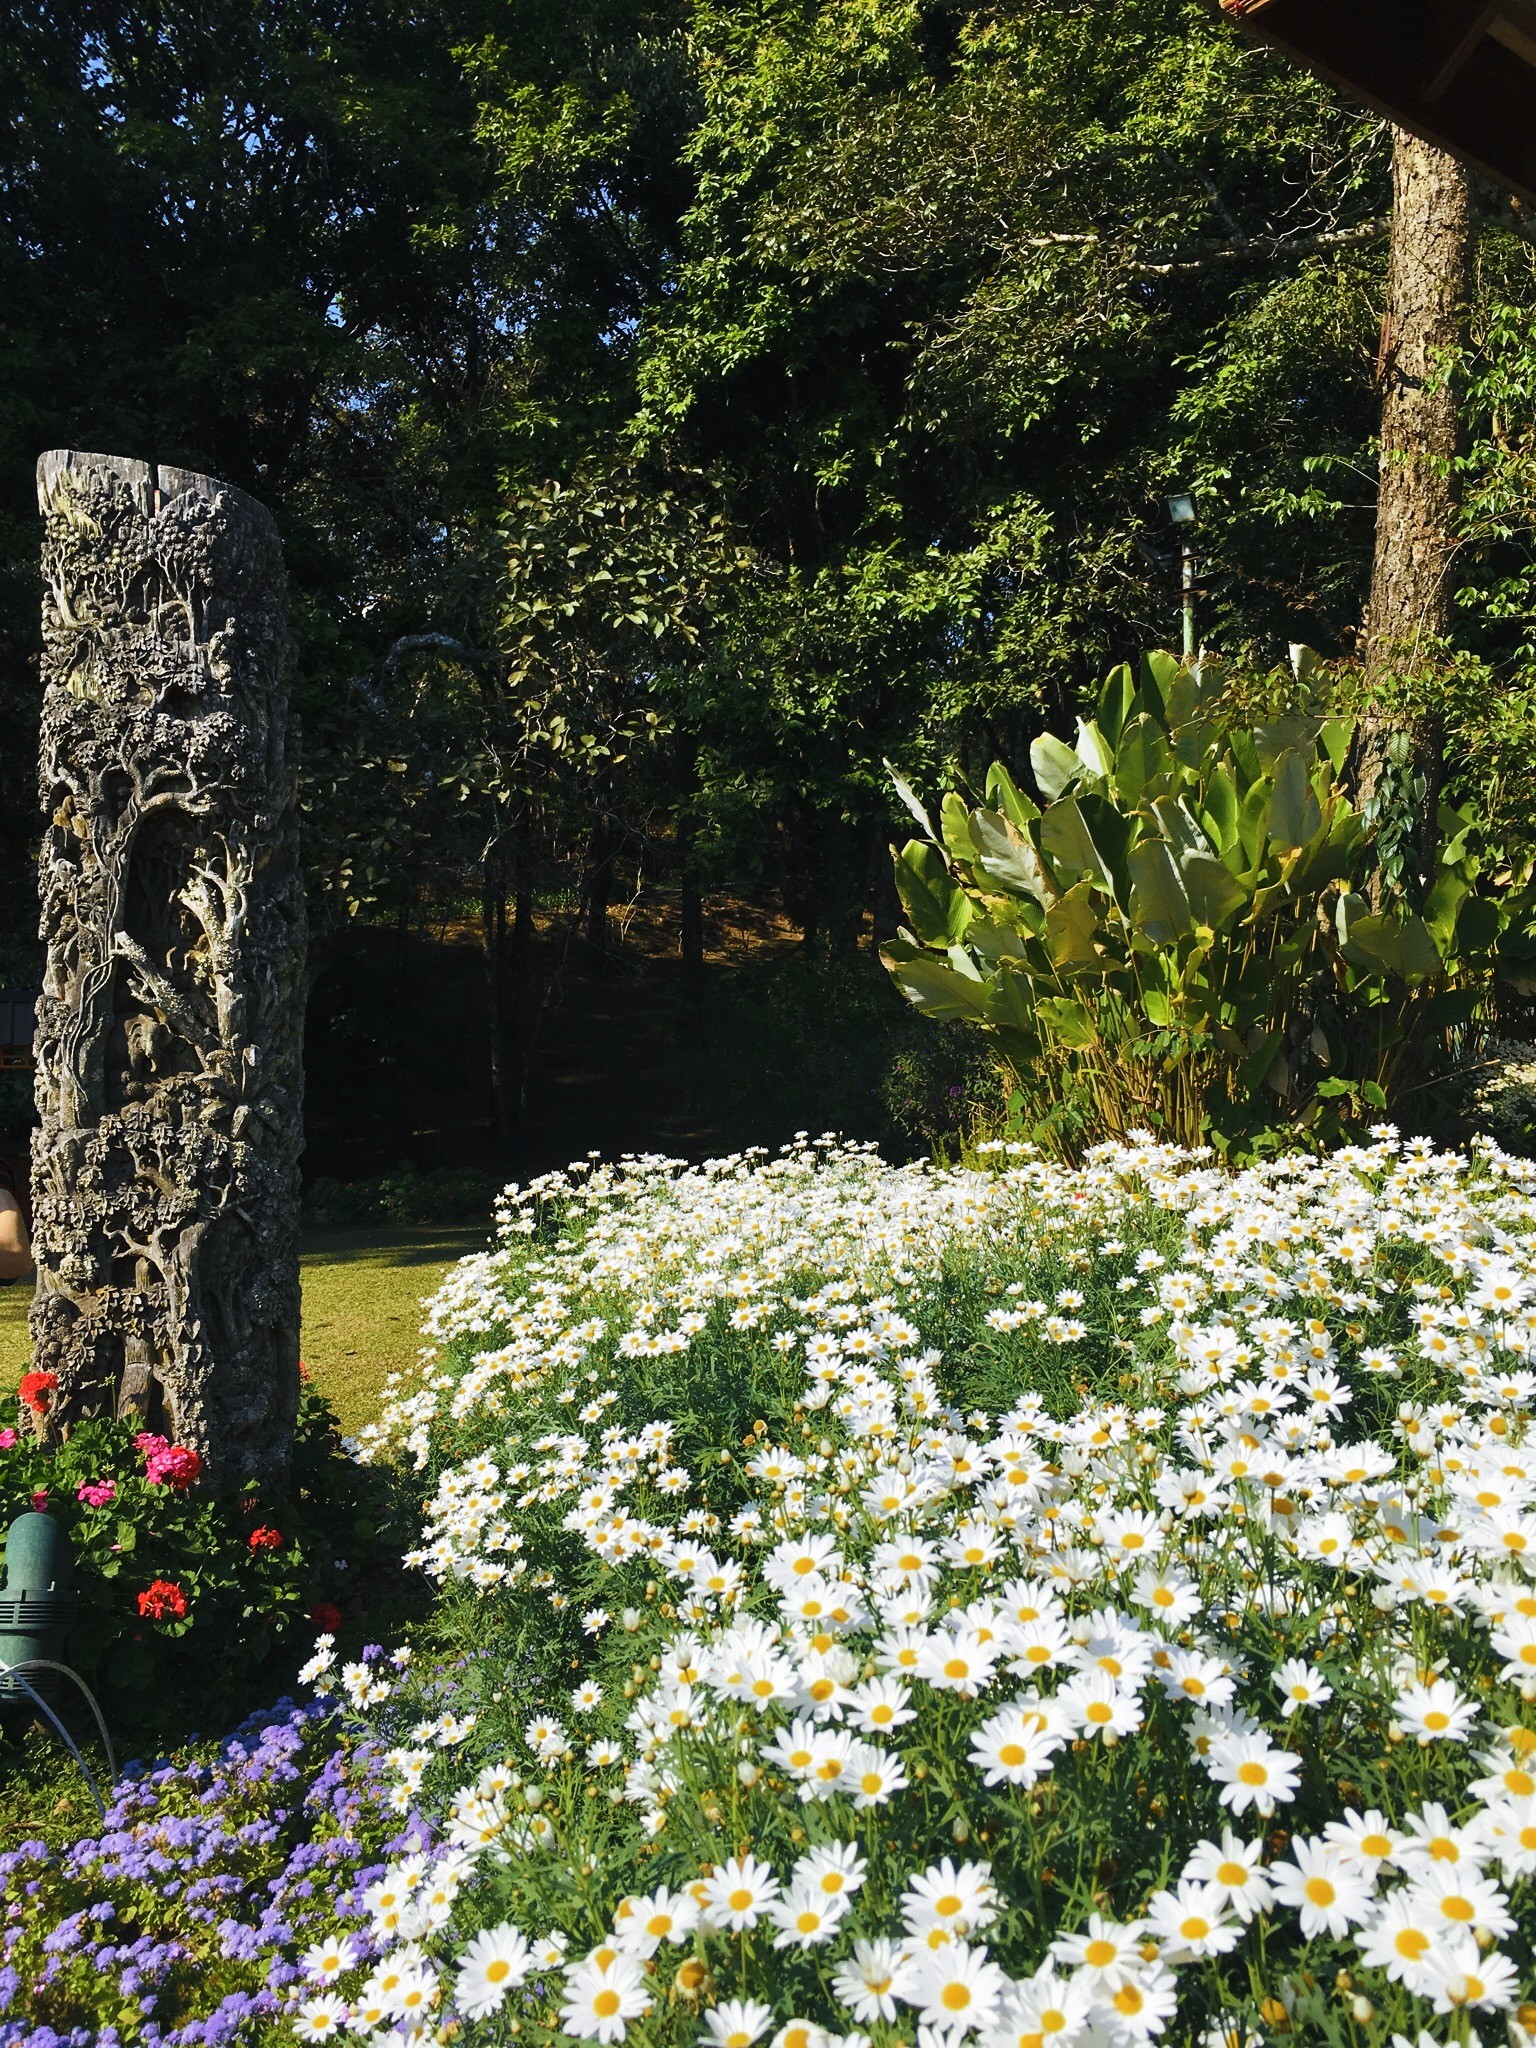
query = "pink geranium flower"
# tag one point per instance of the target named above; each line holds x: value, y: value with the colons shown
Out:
x: 168, y: 1464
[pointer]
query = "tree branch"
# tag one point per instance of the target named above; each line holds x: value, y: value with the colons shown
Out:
x: 1246, y: 249
x: 442, y: 643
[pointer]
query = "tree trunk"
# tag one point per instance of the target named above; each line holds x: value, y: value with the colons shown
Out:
x: 691, y: 935
x: 1396, y: 763
x: 518, y: 1036
x: 691, y: 920
x: 599, y: 892
x: 840, y: 882
x: 493, y: 924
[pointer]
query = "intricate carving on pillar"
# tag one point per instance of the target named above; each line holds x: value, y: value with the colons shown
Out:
x: 169, y: 1033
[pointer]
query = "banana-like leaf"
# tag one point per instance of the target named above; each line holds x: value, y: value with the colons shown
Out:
x: 1056, y: 767
x: 1182, y: 704
x: 1251, y: 817
x: 937, y: 991
x: 992, y: 941
x: 1295, y: 817
x: 1112, y: 831
x: 1115, y: 700
x: 1294, y: 735
x: 1064, y: 835
x: 1335, y: 738
x: 1219, y: 809
x: 1449, y: 1007
x: 939, y: 909
x: 1517, y: 958
x: 955, y: 824
x: 1401, y: 945
x: 1420, y: 957
x: 1011, y: 1004
x: 1210, y: 672
x: 913, y: 802
x: 1243, y: 751
x: 1215, y: 895
x: 1071, y: 930
x: 1142, y: 757
x: 1177, y: 824
x: 1347, y: 913
x: 1263, y: 1049
x: 1004, y: 794
x: 1067, y: 1021
x: 1086, y: 835
x: 1479, y: 927
x: 1093, y: 749
x: 1008, y: 856
x: 1192, y: 742
x: 1160, y: 908
x: 1191, y: 700
x: 1442, y: 906
x: 1455, y: 828
x: 1159, y: 671
x: 1306, y: 663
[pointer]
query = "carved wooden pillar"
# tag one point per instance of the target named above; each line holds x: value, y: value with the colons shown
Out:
x: 169, y: 1033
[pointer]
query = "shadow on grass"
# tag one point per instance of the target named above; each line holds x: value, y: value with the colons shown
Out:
x: 377, y: 1245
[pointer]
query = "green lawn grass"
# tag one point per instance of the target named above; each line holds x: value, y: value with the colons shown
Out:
x: 362, y: 1294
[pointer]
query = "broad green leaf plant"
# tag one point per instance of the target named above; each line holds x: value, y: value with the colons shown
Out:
x: 1190, y: 936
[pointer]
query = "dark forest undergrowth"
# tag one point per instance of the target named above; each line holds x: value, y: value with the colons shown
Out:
x: 624, y: 1050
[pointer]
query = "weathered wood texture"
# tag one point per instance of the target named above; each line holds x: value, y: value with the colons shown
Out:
x: 169, y: 1039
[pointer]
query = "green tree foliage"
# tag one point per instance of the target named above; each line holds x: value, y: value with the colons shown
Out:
x: 246, y: 239
x: 752, y: 391
x: 961, y: 293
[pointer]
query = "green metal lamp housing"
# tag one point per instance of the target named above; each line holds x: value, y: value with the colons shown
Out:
x: 37, y: 1603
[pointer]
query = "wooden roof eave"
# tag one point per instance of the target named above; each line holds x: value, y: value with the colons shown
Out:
x: 1459, y: 73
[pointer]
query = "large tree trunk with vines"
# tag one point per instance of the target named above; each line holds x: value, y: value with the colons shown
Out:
x: 169, y: 1032
x: 1396, y: 765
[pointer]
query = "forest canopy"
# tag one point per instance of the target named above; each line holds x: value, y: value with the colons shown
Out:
x: 675, y: 411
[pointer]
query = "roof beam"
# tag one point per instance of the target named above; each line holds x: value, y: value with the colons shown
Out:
x: 1443, y: 69
x: 1478, y: 18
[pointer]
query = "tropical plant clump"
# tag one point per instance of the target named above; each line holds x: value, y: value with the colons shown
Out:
x: 988, y: 1606
x: 1192, y: 933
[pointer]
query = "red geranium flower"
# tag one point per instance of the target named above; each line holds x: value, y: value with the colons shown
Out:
x: 35, y: 1388
x: 325, y: 1616
x: 303, y: 1370
x: 265, y: 1539
x: 162, y: 1600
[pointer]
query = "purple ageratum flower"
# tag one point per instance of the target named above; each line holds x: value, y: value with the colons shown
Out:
x: 250, y: 1839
